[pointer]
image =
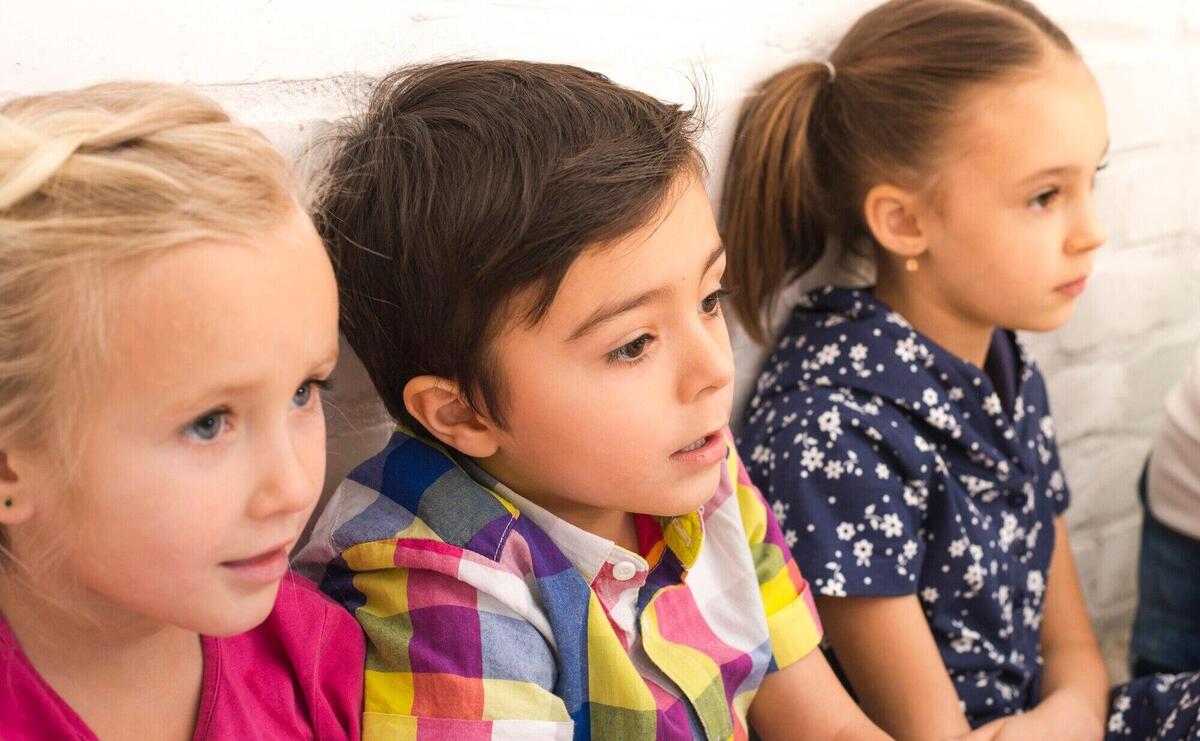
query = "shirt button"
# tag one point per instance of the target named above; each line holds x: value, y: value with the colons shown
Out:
x: 624, y: 571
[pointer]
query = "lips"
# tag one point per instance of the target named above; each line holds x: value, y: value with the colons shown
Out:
x: 702, y: 451
x: 260, y: 559
x: 1074, y: 288
x: 263, y: 568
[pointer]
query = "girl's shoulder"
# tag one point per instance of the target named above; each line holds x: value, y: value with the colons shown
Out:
x: 303, y: 621
x: 29, y: 708
x: 309, y: 649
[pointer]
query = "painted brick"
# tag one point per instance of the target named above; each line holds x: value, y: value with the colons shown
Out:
x: 292, y: 68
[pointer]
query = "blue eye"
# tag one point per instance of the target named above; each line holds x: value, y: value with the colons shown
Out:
x: 305, y: 393
x: 630, y: 352
x: 207, y: 427
x: 712, y: 302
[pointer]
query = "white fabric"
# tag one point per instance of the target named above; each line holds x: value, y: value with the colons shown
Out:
x: 1174, y: 482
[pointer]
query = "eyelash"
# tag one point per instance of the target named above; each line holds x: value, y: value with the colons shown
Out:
x: 638, y: 347
x: 221, y: 414
x: 1044, y: 199
x: 321, y: 384
x: 632, y: 353
x: 715, y: 299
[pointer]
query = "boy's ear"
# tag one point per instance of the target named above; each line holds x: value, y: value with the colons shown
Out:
x: 438, y: 405
x: 16, y: 498
x: 893, y: 215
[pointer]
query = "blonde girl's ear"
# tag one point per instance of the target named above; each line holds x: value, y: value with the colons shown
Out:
x: 438, y: 404
x: 16, y: 496
x: 896, y: 221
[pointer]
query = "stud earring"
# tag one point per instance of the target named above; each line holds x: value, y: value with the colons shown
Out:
x: 8, y: 502
x: 911, y: 265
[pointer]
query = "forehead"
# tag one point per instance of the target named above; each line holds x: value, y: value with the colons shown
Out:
x: 213, y: 310
x: 669, y: 251
x: 1051, y: 116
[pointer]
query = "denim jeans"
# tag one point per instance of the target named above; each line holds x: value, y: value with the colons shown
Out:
x: 1166, y: 629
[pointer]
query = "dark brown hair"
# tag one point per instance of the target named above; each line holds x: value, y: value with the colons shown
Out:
x: 466, y: 183
x: 810, y: 144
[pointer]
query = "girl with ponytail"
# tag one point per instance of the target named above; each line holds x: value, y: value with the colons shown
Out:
x: 167, y: 317
x: 901, y: 429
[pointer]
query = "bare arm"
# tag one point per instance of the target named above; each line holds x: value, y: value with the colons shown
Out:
x: 806, y: 700
x: 885, y: 647
x: 1074, y: 700
x: 1069, y: 648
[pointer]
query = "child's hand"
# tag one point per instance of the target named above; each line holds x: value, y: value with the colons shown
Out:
x: 1061, y: 716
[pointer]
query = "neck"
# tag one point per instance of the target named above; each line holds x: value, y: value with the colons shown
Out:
x: 615, y: 525
x: 922, y: 305
x: 105, y: 662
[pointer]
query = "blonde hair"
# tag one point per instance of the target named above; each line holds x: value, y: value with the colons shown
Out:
x: 92, y: 181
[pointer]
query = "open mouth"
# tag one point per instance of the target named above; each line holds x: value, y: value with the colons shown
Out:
x: 703, y: 451
x: 694, y: 446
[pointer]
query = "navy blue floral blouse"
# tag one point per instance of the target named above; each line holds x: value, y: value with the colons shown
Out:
x: 896, y: 468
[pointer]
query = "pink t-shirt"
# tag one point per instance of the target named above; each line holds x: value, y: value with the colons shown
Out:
x: 298, y: 675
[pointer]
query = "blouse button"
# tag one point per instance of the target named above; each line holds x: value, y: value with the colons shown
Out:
x: 624, y: 571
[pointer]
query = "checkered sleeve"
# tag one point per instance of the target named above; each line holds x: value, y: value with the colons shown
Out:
x: 453, y: 648
x: 792, y: 619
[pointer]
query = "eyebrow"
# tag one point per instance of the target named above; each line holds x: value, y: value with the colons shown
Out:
x: 608, y: 312
x: 235, y: 389
x: 1063, y: 169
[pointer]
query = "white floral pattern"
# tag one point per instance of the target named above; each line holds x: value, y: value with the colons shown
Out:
x: 921, y: 477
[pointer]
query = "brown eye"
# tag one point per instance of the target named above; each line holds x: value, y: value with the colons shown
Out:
x: 1044, y: 199
x: 630, y: 350
x: 712, y: 302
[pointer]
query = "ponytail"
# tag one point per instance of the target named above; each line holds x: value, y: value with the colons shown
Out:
x: 771, y: 192
x: 810, y: 144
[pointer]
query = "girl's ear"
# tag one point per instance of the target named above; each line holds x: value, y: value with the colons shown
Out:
x: 16, y: 498
x: 893, y: 215
x: 439, y: 406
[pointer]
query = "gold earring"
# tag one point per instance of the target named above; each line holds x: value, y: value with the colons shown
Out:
x: 911, y: 265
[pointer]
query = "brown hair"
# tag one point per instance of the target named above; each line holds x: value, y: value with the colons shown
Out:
x: 811, y: 141
x: 466, y: 183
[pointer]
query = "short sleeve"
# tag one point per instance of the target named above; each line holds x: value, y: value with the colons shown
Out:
x: 446, y: 658
x: 792, y: 621
x: 844, y: 478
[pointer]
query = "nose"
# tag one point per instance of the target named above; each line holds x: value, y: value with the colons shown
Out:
x: 708, y: 358
x: 1089, y: 232
x: 290, y: 477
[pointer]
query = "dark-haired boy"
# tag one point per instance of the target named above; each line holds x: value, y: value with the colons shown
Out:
x: 560, y: 541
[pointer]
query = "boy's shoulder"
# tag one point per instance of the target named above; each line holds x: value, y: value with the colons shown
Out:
x: 415, y: 491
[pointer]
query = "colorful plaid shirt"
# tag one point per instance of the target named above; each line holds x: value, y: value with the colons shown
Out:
x: 487, y: 617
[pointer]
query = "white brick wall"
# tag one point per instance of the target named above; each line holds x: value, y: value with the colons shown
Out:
x: 291, y: 67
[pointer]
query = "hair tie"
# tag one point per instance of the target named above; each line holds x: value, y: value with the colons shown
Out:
x: 832, y: 70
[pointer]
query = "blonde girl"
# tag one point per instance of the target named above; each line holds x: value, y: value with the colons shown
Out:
x: 167, y: 316
x: 901, y: 430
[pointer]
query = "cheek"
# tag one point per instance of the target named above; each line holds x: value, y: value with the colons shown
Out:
x: 311, y: 446
x: 589, y: 413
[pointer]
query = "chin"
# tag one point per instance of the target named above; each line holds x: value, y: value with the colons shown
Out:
x: 1047, y: 321
x: 689, y: 496
x: 245, y: 614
